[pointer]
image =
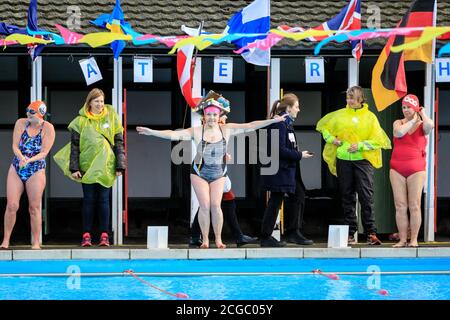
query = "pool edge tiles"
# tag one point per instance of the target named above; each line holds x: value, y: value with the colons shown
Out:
x: 156, y: 254
x: 257, y: 253
x: 196, y: 254
x: 54, y: 254
x: 333, y: 253
x: 229, y: 253
x: 100, y: 254
x: 5, y: 255
x: 433, y: 252
x: 388, y: 252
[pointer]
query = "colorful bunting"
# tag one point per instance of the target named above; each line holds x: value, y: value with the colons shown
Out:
x: 121, y: 31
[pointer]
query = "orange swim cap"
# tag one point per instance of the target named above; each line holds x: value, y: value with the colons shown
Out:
x: 39, y: 108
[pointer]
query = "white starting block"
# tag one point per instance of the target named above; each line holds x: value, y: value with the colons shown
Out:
x: 337, y: 236
x: 157, y: 237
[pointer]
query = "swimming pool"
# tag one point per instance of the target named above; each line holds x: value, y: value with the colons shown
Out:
x: 258, y: 279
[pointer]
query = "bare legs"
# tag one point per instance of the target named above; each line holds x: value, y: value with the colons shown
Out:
x: 407, y: 194
x: 14, y: 189
x: 415, y: 185
x: 209, y: 197
x: 35, y: 188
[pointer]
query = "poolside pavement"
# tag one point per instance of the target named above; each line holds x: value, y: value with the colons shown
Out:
x: 183, y: 252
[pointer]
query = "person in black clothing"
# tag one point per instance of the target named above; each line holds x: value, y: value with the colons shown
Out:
x: 229, y: 213
x: 287, y: 183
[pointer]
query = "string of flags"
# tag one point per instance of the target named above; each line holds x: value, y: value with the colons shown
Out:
x: 249, y: 31
x: 120, y: 33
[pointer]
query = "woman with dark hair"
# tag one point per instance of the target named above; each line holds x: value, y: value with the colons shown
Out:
x: 287, y: 183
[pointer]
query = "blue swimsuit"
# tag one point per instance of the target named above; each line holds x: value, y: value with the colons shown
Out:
x: 209, y: 163
x: 29, y: 146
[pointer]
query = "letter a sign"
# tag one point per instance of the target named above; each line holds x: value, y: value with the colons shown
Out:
x: 315, y: 71
x: 91, y: 71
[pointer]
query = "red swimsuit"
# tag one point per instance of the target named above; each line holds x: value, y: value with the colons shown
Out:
x: 408, y: 155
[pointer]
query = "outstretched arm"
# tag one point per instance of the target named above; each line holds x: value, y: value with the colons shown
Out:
x: 185, y: 134
x: 237, y: 128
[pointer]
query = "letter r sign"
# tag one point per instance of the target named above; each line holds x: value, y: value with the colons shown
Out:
x: 315, y: 71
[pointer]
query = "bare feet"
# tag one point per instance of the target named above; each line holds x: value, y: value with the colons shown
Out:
x: 400, y: 244
x: 205, y: 245
x: 220, y: 245
x: 5, y: 245
x: 36, y: 247
x: 413, y: 244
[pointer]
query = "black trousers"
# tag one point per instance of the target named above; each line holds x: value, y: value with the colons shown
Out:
x: 95, y: 200
x: 294, y: 206
x: 229, y: 216
x: 357, y: 177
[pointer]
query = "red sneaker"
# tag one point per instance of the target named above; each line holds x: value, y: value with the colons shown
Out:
x: 87, y: 241
x: 373, y: 240
x: 104, y: 240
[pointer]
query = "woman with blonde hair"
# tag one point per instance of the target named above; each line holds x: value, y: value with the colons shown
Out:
x: 354, y: 139
x: 94, y: 157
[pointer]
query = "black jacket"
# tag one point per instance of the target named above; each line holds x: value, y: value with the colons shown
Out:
x: 289, y: 156
x: 118, y: 148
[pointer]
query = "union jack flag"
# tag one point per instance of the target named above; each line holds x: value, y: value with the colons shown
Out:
x: 348, y: 19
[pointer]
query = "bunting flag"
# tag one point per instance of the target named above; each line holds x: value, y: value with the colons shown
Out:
x: 98, y: 39
x: 169, y: 41
x: 24, y: 39
x: 255, y: 18
x: 348, y: 19
x: 444, y: 50
x: 185, y: 70
x: 115, y: 22
x: 68, y: 36
x: 7, y: 29
x: 388, y: 75
x: 364, y: 34
x: 32, y: 26
x: 427, y: 36
x: 4, y: 43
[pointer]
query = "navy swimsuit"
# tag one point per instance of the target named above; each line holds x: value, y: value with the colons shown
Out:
x: 29, y: 146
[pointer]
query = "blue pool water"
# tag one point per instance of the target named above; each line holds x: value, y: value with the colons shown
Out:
x: 306, y: 286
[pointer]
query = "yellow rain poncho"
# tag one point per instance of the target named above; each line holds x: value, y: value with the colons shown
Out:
x: 351, y: 126
x: 97, y: 159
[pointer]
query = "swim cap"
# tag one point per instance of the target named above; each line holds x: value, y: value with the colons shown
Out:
x: 39, y: 108
x: 411, y: 101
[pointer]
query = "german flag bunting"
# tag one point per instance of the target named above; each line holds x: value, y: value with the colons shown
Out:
x: 388, y: 75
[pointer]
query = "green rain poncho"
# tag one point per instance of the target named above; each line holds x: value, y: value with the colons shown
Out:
x: 351, y: 126
x: 97, y: 159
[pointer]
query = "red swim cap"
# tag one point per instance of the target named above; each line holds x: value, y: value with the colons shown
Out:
x: 411, y: 101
